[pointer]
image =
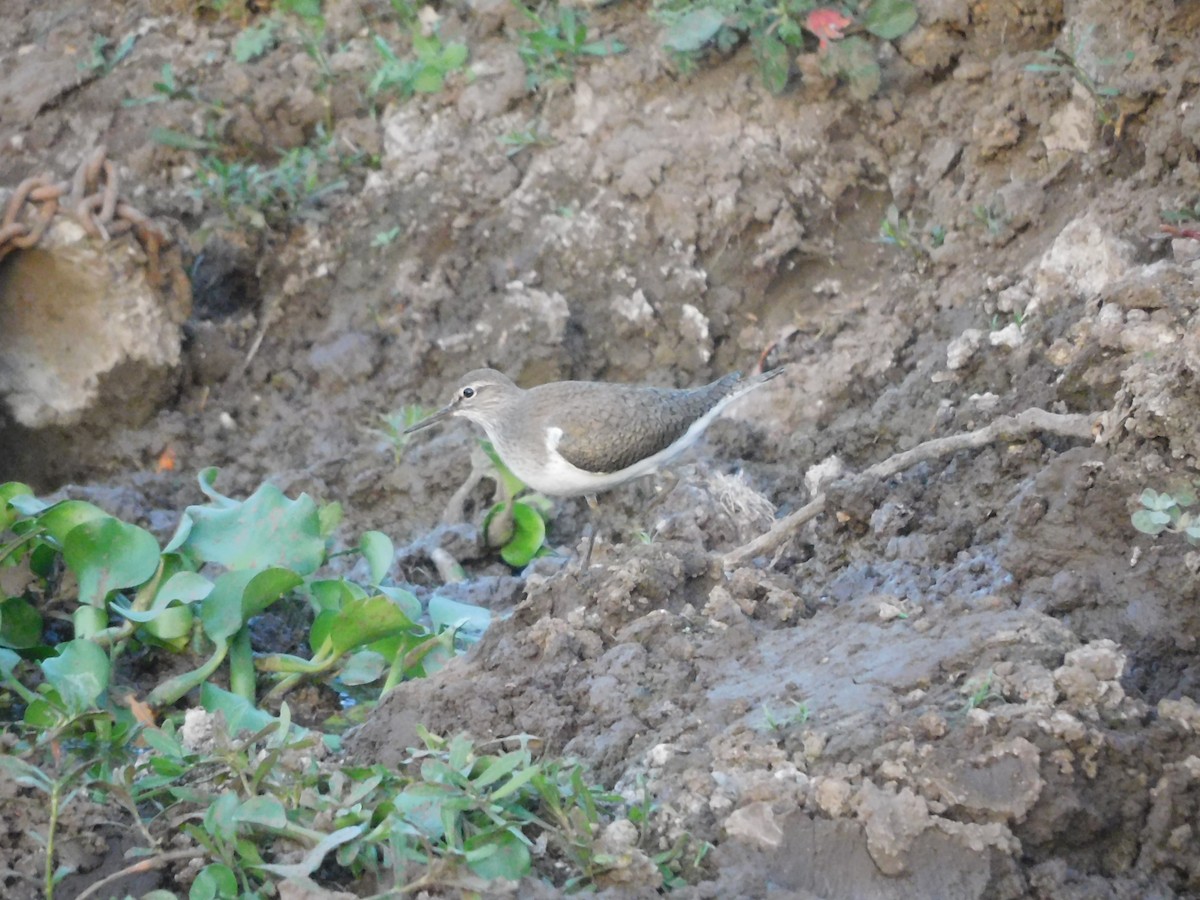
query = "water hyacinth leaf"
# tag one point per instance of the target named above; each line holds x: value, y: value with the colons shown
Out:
x: 447, y: 613
x: 362, y: 622
x: 172, y: 625
x: 267, y: 529
x: 182, y: 587
x: 378, y: 550
x: 406, y: 600
x: 107, y: 554
x: 20, y: 624
x: 79, y: 673
x: 529, y: 534
x: 8, y: 491
x: 694, y: 30
x: 240, y: 714
x: 890, y: 19
x: 62, y: 518
x: 363, y: 667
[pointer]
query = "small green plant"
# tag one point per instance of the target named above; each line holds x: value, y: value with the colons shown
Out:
x: 997, y: 322
x: 1183, y: 214
x: 383, y: 239
x: 776, y: 32
x: 269, y: 196
x: 425, y: 73
x: 553, y: 47
x: 981, y: 694
x: 1168, y: 512
x: 393, y: 425
x: 517, y: 527
x: 993, y: 216
x: 100, y: 61
x: 901, y: 231
x: 1057, y: 61
x: 516, y: 141
x: 796, y: 713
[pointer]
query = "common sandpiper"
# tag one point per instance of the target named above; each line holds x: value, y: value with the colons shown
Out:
x: 573, y: 438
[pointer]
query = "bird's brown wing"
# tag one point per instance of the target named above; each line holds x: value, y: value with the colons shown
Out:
x: 619, y: 428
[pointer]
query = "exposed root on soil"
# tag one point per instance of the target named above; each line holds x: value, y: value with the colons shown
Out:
x: 1083, y: 426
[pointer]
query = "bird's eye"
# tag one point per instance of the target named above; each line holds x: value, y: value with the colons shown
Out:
x: 468, y: 393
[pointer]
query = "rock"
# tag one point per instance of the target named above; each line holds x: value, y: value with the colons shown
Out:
x: 755, y: 824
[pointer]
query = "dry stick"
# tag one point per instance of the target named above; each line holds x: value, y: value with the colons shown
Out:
x: 1071, y: 425
x: 142, y: 865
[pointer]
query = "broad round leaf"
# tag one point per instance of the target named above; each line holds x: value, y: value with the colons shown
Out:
x: 62, y: 518
x: 890, y: 19
x: 497, y: 855
x: 20, y: 624
x: 379, y: 552
x: 107, y: 554
x: 79, y: 673
x: 216, y: 881
x: 447, y: 613
x: 8, y: 491
x: 694, y: 30
x: 267, y: 529
x: 529, y: 534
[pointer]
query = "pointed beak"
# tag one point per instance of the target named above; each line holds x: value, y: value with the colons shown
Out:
x: 444, y: 413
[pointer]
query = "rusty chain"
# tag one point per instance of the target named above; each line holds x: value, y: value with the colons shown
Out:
x: 92, y: 197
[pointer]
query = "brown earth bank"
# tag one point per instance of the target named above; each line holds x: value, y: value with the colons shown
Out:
x: 970, y: 678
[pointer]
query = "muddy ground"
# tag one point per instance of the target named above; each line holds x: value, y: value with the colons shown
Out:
x: 973, y: 678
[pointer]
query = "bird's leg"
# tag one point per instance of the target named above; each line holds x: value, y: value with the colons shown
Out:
x: 592, y: 505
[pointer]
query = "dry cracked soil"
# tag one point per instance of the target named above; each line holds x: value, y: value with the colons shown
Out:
x: 965, y: 676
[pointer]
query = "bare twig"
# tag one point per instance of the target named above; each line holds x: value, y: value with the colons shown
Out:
x: 142, y: 865
x: 1073, y: 425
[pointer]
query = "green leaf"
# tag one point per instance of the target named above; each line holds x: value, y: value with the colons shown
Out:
x: 428, y: 80
x: 8, y: 491
x: 406, y: 600
x: 693, y: 30
x: 379, y: 552
x: 240, y: 714
x: 177, y: 140
x: 361, y: 622
x: 62, y: 518
x: 79, y: 673
x: 447, y: 613
x: 1150, y: 521
x: 518, y: 781
x: 24, y: 774
x: 238, y: 595
x: 529, y: 534
x: 506, y: 857
x: 107, y: 554
x: 20, y: 624
x: 774, y: 61
x: 262, y: 810
x: 363, y: 667
x: 267, y: 529
x: 182, y: 587
x: 316, y: 856
x: 499, y: 767
x: 890, y: 19
x: 254, y: 41
x: 216, y: 881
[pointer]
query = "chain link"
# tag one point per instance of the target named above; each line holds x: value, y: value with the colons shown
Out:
x: 92, y: 198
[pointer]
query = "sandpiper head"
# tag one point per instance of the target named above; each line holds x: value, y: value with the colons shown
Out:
x: 481, y: 396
